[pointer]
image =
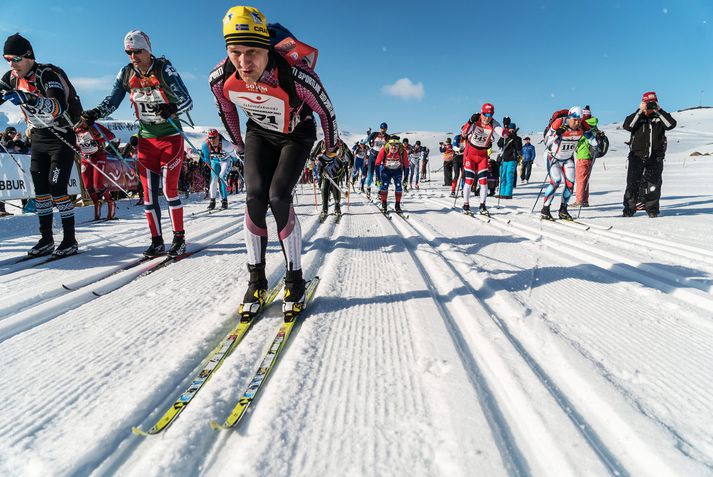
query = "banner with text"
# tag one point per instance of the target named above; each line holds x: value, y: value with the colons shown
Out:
x: 16, y: 180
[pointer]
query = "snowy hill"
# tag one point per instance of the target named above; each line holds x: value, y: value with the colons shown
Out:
x: 439, y: 344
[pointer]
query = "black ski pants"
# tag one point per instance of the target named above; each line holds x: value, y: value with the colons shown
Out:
x: 643, y: 183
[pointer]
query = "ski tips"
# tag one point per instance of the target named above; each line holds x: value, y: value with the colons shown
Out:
x: 216, y: 426
x: 137, y: 431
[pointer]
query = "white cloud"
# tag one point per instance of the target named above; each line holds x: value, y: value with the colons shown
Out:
x: 187, y: 76
x: 88, y: 83
x: 404, y: 89
x: 665, y: 11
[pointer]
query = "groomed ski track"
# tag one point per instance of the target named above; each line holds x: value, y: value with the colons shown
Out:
x: 437, y: 345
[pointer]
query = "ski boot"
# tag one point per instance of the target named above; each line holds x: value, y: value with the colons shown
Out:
x: 368, y: 193
x: 97, y: 210
x: 323, y: 215
x: 466, y: 209
x: 256, y: 293
x: 178, y: 246
x: 384, y: 209
x: 45, y: 246
x: 224, y: 204
x: 111, y: 213
x: 67, y: 247
x: 294, y: 297
x: 563, y: 214
x: 211, y: 204
x: 652, y: 214
x: 453, y: 193
x: 545, y: 213
x: 156, y: 248
x: 483, y: 211
x: 397, y: 208
x: 337, y: 213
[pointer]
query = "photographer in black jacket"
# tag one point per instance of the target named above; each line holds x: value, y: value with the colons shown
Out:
x: 648, y: 128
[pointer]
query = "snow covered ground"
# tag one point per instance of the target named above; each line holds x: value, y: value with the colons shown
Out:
x: 437, y: 345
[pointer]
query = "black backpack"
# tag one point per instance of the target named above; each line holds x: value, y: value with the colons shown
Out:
x: 602, y: 144
x: 74, y: 104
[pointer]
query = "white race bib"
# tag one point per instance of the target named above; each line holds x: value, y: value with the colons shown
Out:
x: 145, y: 99
x: 87, y: 144
x: 267, y: 106
x: 481, y: 137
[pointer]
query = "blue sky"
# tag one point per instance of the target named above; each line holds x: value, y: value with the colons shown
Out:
x: 447, y: 58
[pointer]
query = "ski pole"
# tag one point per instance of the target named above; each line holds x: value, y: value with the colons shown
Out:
x: 12, y: 205
x: 7, y: 151
x: 314, y: 188
x: 458, y: 189
x: 500, y: 183
x: 544, y: 182
x: 76, y: 151
x: 113, y: 148
x: 326, y: 176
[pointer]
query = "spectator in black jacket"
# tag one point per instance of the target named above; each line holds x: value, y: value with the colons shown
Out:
x: 16, y: 145
x: 7, y: 136
x: 511, y: 146
x: 648, y: 126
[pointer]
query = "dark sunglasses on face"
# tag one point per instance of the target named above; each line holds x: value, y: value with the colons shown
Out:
x: 15, y: 59
x: 133, y: 52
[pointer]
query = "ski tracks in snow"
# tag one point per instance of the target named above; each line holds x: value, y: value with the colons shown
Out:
x: 349, y: 375
x: 607, y: 335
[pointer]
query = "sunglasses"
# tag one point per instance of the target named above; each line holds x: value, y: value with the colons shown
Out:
x: 487, y: 115
x: 15, y: 59
x: 133, y: 52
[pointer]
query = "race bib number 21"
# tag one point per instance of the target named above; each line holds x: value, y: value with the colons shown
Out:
x: 267, y: 106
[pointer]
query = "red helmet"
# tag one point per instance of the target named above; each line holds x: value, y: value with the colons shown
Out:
x: 212, y: 133
x: 488, y: 109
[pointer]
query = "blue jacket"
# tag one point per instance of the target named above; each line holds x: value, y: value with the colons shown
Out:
x: 528, y: 152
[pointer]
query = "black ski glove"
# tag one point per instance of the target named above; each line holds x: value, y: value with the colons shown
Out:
x: 90, y: 116
x: 474, y: 118
x: 560, y: 130
x: 165, y: 110
x: 506, y: 121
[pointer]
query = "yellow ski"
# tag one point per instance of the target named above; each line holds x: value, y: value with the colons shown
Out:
x: 214, y: 360
x: 269, y: 360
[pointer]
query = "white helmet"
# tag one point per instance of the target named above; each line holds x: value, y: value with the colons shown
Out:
x: 575, y: 112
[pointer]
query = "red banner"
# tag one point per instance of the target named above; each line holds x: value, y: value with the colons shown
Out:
x: 123, y: 172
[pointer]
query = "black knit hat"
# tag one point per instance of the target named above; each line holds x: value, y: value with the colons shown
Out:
x: 17, y: 45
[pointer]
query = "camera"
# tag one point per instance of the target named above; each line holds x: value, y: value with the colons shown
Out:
x: 651, y: 105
